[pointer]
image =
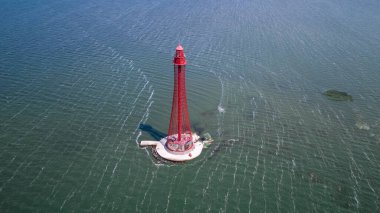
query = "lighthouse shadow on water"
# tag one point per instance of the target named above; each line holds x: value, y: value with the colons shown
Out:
x: 156, y: 134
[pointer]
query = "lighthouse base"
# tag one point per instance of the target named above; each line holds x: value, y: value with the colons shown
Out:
x: 188, y: 155
x: 161, y: 150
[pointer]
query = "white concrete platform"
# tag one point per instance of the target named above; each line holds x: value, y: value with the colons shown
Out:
x: 189, y: 155
x: 164, y: 153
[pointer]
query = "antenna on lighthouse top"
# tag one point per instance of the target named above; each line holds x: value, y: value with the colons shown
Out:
x: 179, y: 47
x: 179, y: 57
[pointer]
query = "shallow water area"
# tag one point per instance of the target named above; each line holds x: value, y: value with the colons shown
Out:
x: 82, y: 83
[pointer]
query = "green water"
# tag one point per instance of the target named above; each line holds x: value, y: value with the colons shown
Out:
x: 78, y: 79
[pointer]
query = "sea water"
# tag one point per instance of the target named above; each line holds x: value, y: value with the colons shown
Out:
x: 83, y: 82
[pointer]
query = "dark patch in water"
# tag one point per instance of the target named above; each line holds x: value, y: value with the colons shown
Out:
x: 198, y: 128
x: 209, y: 113
x: 311, y: 176
x: 342, y: 196
x: 314, y: 177
x: 221, y: 146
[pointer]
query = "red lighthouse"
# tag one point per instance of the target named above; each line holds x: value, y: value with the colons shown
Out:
x: 179, y: 135
x: 180, y: 144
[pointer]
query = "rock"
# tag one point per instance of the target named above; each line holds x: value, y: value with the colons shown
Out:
x: 362, y: 125
x: 207, y: 140
x: 207, y: 136
x: 337, y: 95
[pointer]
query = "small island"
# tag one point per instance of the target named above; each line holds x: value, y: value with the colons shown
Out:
x: 337, y: 95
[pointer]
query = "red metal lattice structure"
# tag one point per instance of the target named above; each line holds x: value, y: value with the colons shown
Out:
x: 179, y: 137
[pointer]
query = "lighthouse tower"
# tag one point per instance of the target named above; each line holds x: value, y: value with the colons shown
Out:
x: 180, y: 144
x: 179, y: 135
